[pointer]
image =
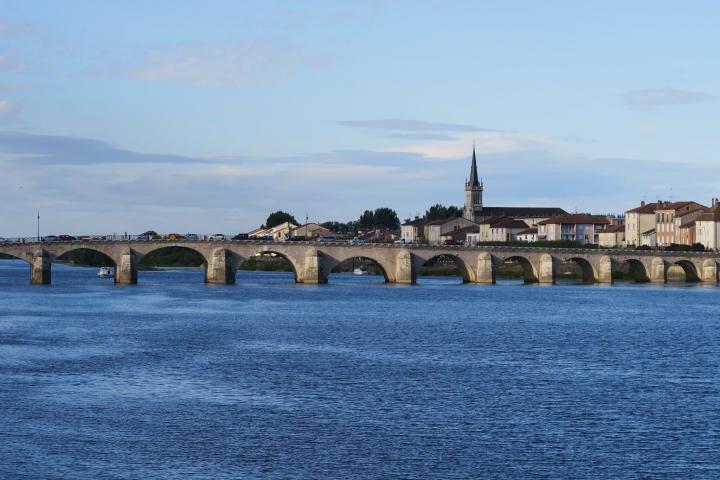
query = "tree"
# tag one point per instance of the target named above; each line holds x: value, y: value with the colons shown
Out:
x: 276, y: 218
x: 366, y: 220
x: 441, y: 212
x: 339, y: 227
x: 386, y: 218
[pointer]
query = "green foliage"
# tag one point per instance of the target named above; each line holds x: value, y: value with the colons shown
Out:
x: 674, y: 247
x: 348, y: 228
x: 87, y: 257
x: 440, y: 212
x: 698, y: 247
x: 172, y: 257
x: 276, y: 218
x: 366, y: 220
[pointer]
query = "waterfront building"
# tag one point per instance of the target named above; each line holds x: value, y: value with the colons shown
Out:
x: 413, y: 231
x: 311, y: 230
x: 579, y: 227
x: 612, y: 236
x: 638, y: 221
x: 278, y: 232
x: 460, y: 235
x: 528, y: 235
x: 668, y: 217
x: 506, y: 230
x: 707, y: 227
x: 686, y: 233
x: 648, y: 238
x: 435, y: 229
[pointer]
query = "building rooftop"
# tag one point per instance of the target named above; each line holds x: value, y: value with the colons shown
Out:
x: 645, y: 208
x: 575, y: 218
x: 529, y: 212
x: 711, y: 214
x: 613, y: 229
x: 509, y: 223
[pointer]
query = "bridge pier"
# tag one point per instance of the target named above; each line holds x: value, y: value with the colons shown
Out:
x: 605, y: 270
x: 220, y: 269
x: 485, y: 269
x: 405, y: 272
x: 546, y: 269
x: 657, y: 271
x: 126, y: 268
x: 313, y: 270
x: 40, y: 268
x: 709, y: 272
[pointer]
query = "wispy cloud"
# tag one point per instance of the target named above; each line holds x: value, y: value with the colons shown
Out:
x: 8, y: 111
x: 30, y: 148
x: 238, y: 64
x: 660, y: 97
x: 397, y: 124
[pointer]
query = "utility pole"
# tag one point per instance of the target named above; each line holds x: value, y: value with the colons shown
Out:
x: 38, y: 227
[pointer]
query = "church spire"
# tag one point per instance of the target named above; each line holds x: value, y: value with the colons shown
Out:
x: 473, y: 171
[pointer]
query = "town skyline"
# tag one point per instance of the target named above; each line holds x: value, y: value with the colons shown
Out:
x: 116, y: 119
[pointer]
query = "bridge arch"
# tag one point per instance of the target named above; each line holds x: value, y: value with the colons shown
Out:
x: 530, y: 275
x: 191, y: 257
x: 635, y: 269
x: 333, y: 263
x: 93, y: 256
x: 465, y: 270
x: 689, y: 269
x: 587, y: 270
x: 294, y: 265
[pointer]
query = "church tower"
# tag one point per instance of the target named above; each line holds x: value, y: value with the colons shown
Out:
x: 473, y: 193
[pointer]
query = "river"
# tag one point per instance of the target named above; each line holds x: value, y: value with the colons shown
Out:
x: 356, y: 379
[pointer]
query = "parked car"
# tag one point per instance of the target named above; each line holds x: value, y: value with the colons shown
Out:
x: 241, y: 236
x: 192, y: 236
x: 149, y: 235
x: 400, y: 241
x: 85, y: 238
x: 175, y: 236
x: 50, y: 238
x: 296, y: 238
x: 453, y: 242
x: 4, y: 240
x: 326, y: 239
x: 358, y: 241
x: 218, y: 237
x: 267, y: 238
x: 66, y: 238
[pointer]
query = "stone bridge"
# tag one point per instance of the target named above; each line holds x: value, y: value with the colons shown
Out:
x: 313, y: 261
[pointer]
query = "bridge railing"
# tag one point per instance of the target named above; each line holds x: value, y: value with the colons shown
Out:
x: 112, y: 238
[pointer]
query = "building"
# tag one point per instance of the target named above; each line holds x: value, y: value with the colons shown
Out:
x: 311, y: 230
x: 459, y: 236
x: 707, y: 227
x: 435, y: 229
x: 473, y: 193
x: 638, y: 221
x: 612, y: 236
x: 278, y: 232
x: 506, y: 230
x: 476, y: 212
x: 579, y: 227
x: 648, y: 238
x: 668, y: 217
x: 686, y: 233
x: 413, y: 231
x: 528, y: 235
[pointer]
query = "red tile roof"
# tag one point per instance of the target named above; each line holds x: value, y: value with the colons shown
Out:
x: 647, y: 208
x: 575, y: 218
x: 711, y: 214
x: 613, y: 229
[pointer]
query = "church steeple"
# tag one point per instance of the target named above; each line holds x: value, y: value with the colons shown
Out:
x: 473, y: 171
x: 473, y: 192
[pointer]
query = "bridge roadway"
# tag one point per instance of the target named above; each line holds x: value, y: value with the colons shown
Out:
x: 313, y: 261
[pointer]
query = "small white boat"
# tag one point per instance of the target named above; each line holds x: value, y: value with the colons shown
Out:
x: 105, y: 272
x: 360, y: 271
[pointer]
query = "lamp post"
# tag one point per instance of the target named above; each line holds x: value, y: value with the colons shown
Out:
x: 38, y: 227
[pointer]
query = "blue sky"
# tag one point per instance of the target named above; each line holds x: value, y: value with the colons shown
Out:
x: 205, y: 116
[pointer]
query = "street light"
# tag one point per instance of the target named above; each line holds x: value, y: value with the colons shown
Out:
x: 38, y: 227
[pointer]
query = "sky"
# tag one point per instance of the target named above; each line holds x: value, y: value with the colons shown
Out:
x: 205, y: 116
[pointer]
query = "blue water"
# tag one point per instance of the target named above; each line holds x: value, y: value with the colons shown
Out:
x: 354, y: 380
